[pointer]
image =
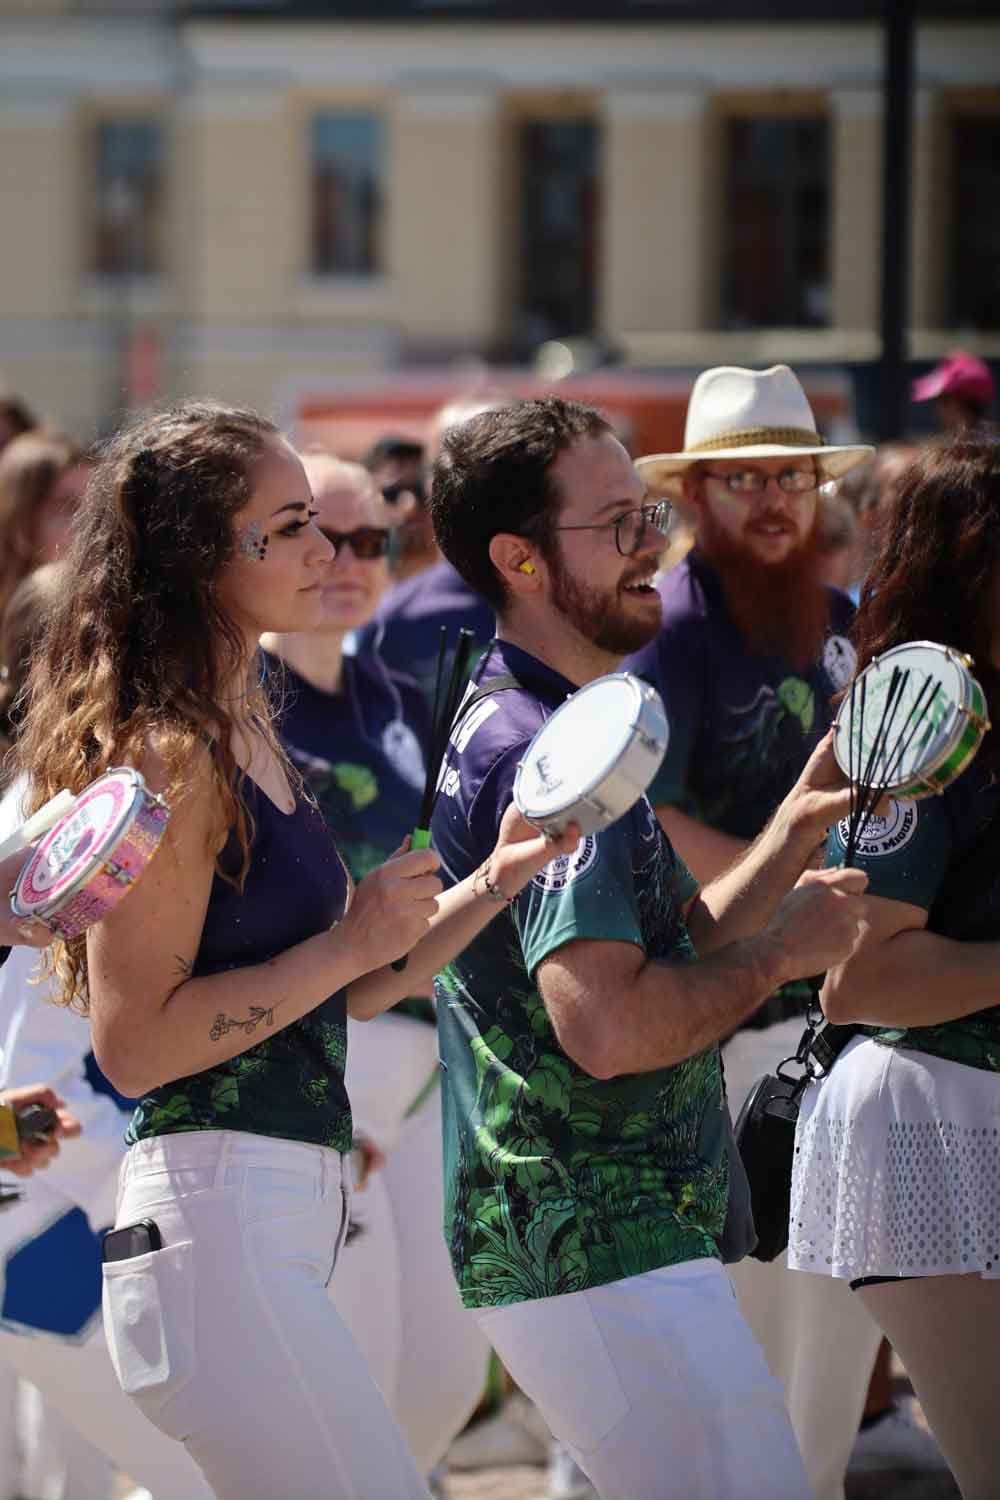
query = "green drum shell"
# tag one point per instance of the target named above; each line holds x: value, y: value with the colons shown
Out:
x: 954, y: 759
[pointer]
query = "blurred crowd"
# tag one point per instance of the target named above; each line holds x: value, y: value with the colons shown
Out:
x: 357, y: 707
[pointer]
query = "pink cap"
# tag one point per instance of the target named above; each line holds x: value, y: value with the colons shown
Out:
x: 962, y: 375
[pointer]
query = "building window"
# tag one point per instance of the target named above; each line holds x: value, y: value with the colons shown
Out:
x: 776, y: 223
x: 347, y: 175
x: 560, y: 228
x: 974, y: 279
x: 128, y: 197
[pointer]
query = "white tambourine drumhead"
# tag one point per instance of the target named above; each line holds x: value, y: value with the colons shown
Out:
x: 912, y: 743
x: 579, y: 748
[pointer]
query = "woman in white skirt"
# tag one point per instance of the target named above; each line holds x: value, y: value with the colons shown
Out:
x: 896, y: 1186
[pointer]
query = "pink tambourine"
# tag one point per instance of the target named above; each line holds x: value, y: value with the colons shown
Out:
x: 94, y: 854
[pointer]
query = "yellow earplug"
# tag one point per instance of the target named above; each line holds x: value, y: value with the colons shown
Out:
x: 525, y: 567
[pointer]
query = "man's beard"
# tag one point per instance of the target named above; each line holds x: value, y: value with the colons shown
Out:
x: 601, y: 616
x: 780, y: 608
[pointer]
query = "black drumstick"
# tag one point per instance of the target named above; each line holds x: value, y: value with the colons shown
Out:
x: 445, y: 707
x: 866, y: 780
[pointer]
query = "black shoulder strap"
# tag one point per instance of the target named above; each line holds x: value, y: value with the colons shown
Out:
x: 485, y: 690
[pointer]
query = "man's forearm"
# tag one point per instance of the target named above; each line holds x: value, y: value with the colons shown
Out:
x: 706, y: 852
x: 742, y: 901
x: 720, y: 992
x: 665, y: 1012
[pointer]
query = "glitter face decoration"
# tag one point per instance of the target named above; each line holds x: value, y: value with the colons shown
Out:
x: 252, y: 541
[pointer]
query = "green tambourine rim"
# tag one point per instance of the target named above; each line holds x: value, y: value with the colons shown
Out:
x: 960, y: 742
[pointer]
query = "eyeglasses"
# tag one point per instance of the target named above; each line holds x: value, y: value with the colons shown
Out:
x: 366, y: 542
x: 415, y: 487
x: 755, y: 481
x: 630, y: 528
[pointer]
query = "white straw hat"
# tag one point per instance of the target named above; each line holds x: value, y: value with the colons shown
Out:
x: 735, y: 413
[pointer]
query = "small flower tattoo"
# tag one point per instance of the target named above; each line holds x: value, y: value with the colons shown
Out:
x: 252, y: 541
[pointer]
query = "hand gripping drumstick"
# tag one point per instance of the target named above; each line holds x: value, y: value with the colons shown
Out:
x: 445, y: 708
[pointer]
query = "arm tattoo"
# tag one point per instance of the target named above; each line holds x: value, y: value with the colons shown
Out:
x: 223, y: 1024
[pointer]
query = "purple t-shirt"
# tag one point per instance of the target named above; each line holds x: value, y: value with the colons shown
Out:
x: 407, y: 626
x: 290, y: 1084
x: 742, y: 726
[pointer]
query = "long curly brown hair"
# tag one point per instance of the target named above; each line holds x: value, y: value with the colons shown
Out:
x: 138, y: 646
x: 936, y: 575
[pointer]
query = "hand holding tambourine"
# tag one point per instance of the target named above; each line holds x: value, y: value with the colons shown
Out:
x: 594, y: 757
x: 908, y: 726
x: 93, y: 849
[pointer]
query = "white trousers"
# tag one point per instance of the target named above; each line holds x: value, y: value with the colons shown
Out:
x: 656, y: 1387
x: 79, y: 1383
x: 818, y: 1339
x: 227, y: 1338
x: 394, y: 1286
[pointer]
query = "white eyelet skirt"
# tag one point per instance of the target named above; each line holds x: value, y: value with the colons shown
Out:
x: 897, y: 1168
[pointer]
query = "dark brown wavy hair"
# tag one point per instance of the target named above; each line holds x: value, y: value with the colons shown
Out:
x: 936, y: 574
x: 138, y: 645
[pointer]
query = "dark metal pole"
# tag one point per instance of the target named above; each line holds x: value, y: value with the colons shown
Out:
x: 893, y: 377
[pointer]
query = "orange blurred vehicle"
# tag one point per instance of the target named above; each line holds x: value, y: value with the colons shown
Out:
x: 647, y: 410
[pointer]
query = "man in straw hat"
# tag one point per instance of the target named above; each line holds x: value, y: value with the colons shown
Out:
x: 751, y: 650
x: 587, y: 1157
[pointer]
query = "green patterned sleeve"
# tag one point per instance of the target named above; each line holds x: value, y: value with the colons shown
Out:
x: 588, y: 894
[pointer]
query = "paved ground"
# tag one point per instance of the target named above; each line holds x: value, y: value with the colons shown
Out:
x: 529, y: 1484
x: 526, y: 1483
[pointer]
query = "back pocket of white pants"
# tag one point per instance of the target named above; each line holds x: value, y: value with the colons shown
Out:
x: 149, y: 1323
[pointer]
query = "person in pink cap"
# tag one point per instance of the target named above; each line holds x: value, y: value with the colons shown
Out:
x: 963, y: 387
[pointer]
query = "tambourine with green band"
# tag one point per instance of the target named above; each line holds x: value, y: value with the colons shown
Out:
x: 912, y: 721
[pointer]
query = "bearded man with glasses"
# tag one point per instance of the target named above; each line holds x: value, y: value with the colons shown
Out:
x: 587, y: 1162
x: 752, y: 647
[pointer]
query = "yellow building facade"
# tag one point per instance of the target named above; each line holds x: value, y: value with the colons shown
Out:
x: 228, y: 285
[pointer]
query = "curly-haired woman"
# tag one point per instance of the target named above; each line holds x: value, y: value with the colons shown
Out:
x: 219, y: 990
x: 897, y: 1168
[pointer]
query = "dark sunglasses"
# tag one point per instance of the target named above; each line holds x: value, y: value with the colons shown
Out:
x: 414, y: 487
x: 366, y: 542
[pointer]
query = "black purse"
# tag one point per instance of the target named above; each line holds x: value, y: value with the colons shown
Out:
x: 765, y: 1130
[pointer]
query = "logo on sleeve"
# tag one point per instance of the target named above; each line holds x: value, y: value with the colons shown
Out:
x: 566, y: 868
x: 839, y: 660
x: 885, y: 835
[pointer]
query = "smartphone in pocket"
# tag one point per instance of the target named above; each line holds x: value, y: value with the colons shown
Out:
x: 131, y: 1240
